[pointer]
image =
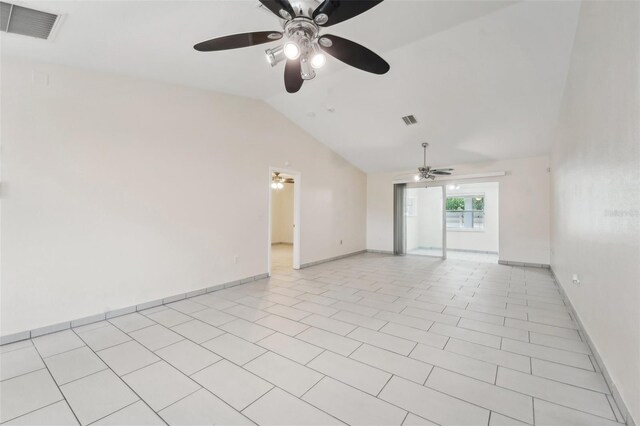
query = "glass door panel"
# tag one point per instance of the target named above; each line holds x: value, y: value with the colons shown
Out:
x: 424, y: 221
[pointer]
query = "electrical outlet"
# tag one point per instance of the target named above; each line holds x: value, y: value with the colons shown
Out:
x: 576, y: 280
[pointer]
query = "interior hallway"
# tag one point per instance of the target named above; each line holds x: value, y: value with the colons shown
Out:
x: 369, y: 339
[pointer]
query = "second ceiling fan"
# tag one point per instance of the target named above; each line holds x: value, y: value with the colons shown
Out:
x: 304, y: 47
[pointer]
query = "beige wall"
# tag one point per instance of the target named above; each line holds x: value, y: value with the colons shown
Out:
x: 523, y: 207
x: 118, y: 191
x: 596, y: 188
x: 282, y: 214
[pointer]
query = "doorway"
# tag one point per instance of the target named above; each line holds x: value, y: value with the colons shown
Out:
x: 472, y: 221
x: 284, y: 213
x: 454, y: 221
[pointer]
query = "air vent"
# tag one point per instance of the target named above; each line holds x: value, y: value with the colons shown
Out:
x: 409, y: 120
x: 29, y: 22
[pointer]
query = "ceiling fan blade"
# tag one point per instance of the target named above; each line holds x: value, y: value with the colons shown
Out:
x: 292, y: 77
x: 340, y: 10
x: 439, y: 173
x: 236, y: 41
x: 276, y: 6
x: 443, y: 170
x: 351, y: 53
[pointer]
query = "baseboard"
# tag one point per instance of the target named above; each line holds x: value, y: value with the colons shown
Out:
x: 622, y: 407
x: 331, y: 259
x: 286, y: 244
x: 380, y: 251
x: 28, y: 334
x: 527, y: 264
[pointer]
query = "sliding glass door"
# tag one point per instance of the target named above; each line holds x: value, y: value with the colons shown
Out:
x: 424, y: 221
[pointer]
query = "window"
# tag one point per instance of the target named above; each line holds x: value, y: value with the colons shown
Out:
x: 465, y: 212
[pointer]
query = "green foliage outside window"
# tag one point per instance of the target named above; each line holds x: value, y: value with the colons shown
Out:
x: 455, y: 203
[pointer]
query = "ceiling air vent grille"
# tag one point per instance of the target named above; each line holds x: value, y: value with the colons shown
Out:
x: 29, y: 22
x: 409, y: 120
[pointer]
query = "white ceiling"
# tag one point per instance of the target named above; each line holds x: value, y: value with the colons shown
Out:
x: 484, y: 78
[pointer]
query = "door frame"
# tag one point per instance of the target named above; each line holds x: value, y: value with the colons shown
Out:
x: 297, y: 188
x: 443, y: 187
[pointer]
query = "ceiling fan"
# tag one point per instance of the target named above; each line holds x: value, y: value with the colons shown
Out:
x: 304, y: 47
x: 425, y: 172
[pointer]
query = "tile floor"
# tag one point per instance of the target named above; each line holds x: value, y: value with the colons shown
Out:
x: 370, y: 339
x: 458, y: 255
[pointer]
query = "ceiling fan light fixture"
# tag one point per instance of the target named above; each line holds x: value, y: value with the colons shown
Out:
x: 291, y: 50
x: 318, y: 59
x: 275, y: 55
x: 416, y: 178
x: 306, y: 70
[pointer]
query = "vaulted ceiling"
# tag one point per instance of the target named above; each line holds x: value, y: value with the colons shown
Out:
x: 484, y: 79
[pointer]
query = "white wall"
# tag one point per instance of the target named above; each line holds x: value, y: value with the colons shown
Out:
x: 523, y: 207
x: 596, y: 188
x: 282, y: 214
x: 118, y: 191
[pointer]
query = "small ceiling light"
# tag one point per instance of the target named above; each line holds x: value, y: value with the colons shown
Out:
x: 274, y: 185
x: 318, y: 59
x: 275, y: 55
x: 416, y: 177
x: 291, y: 50
x: 280, y: 185
x: 306, y: 70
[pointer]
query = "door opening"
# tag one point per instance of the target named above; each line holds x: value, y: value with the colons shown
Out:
x: 473, y: 222
x: 284, y: 214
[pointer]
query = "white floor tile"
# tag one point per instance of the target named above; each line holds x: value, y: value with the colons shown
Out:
x: 468, y: 335
x: 413, y: 420
x: 160, y: 384
x: 23, y: 394
x: 156, y: 337
x: 351, y: 372
x: 550, y: 414
x: 419, y: 323
x: 359, y: 320
x: 57, y: 414
x: 187, y: 306
x: 127, y: 357
x: 202, y: 408
x: 280, y: 408
x: 55, y: 343
x: 498, y: 419
x: 169, y: 317
x: 234, y: 385
x: 197, y: 331
x: 458, y: 363
x: 315, y: 308
x: 352, y: 406
x: 102, y: 337
x: 287, y: 312
x: 433, y: 405
x: 213, y: 317
x: 283, y: 325
x: 74, y: 364
x: 20, y: 361
x: 569, y: 396
x: 549, y: 354
x: 284, y: 373
x: 328, y: 324
x: 131, y: 322
x: 290, y: 347
x: 246, y: 313
x: 570, y: 375
x: 97, y: 395
x: 138, y: 414
x: 233, y: 348
x: 247, y: 330
x: 383, y: 340
x: 393, y: 363
x: 486, y: 395
x: 490, y: 355
x: 560, y: 343
x: 415, y: 335
x: 498, y: 330
x: 187, y: 356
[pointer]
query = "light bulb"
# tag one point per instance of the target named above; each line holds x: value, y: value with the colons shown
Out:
x: 318, y: 60
x: 274, y: 185
x: 306, y: 70
x: 451, y: 187
x: 275, y: 55
x: 416, y: 177
x: 280, y: 185
x: 291, y: 50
